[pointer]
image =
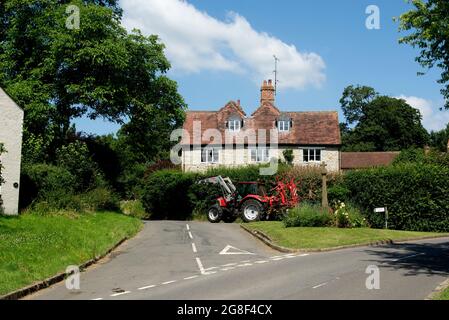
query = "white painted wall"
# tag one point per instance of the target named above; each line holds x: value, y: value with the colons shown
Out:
x: 191, y: 159
x: 11, y: 123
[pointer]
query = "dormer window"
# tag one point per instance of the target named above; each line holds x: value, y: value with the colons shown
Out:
x: 284, y: 125
x: 234, y: 124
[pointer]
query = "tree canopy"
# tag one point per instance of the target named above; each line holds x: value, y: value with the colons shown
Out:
x: 99, y: 70
x: 379, y: 123
x: 428, y: 23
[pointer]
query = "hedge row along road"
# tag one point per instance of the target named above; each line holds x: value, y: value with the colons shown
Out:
x: 196, y: 260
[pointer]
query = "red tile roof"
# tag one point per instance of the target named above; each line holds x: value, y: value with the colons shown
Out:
x: 359, y: 160
x: 308, y: 128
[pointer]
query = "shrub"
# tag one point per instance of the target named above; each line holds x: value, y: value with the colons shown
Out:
x: 165, y: 195
x: 338, y: 192
x: 288, y: 156
x: 416, y: 195
x: 99, y: 199
x: 202, y: 196
x: 45, y: 182
x: 308, y: 215
x: 134, y: 208
x: 348, y: 216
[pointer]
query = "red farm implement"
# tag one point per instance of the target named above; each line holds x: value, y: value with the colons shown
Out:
x: 250, y: 200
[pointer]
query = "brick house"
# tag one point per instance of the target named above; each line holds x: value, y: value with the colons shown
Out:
x: 228, y: 137
x: 11, y: 121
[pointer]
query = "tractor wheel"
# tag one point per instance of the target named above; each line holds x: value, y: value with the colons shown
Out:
x: 251, y: 210
x: 229, y: 218
x: 214, y: 213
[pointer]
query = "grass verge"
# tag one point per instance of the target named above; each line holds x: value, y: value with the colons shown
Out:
x: 320, y: 238
x: 33, y: 248
x: 443, y: 295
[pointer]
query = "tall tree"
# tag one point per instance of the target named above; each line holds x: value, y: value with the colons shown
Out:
x: 99, y: 70
x: 379, y: 123
x: 428, y: 22
x: 439, y: 139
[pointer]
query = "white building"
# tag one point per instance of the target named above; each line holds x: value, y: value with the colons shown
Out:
x: 228, y: 137
x: 11, y: 123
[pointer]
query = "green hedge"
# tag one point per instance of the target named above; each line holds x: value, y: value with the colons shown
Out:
x: 416, y: 194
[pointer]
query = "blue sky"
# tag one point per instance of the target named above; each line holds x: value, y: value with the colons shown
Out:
x: 222, y: 50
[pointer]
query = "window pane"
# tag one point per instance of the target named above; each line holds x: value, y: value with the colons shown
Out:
x: 312, y: 154
x: 214, y: 155
x: 253, y: 155
x: 318, y: 155
x: 305, y: 155
x: 203, y: 155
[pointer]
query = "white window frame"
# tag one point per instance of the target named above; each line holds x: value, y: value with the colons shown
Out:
x: 211, y: 155
x: 310, y: 153
x: 259, y: 154
x: 234, y: 125
x: 283, y: 125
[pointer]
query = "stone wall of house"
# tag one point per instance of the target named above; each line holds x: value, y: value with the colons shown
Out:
x: 11, y: 121
x: 191, y: 159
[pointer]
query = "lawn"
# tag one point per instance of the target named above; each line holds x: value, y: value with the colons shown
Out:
x: 35, y: 247
x: 319, y: 238
x: 444, y: 295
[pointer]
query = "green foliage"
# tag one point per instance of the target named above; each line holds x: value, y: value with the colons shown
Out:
x: 415, y: 155
x: 410, y: 155
x: 134, y: 208
x: 75, y: 158
x: 428, y: 22
x: 308, y: 215
x: 165, y: 195
x: 348, y: 216
x: 288, y: 156
x: 99, y: 70
x: 202, y: 196
x: 439, y: 139
x: 414, y: 193
x: 380, y: 123
x: 338, y: 192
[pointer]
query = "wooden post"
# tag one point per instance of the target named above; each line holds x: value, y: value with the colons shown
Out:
x: 324, y: 201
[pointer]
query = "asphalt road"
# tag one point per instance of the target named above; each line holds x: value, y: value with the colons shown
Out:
x: 179, y: 260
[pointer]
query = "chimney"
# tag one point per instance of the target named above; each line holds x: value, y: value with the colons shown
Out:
x: 267, y: 92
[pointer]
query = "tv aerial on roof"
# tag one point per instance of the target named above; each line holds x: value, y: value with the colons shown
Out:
x: 276, y: 60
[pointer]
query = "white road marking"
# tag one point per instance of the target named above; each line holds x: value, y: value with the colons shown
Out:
x: 211, y: 268
x: 192, y: 277
x: 200, y: 265
x: 208, y: 273
x: 244, y: 265
x: 168, y: 282
x: 228, y: 268
x: 261, y: 261
x: 304, y: 255
x: 120, y: 293
x: 320, y: 285
x: 188, y: 227
x: 190, y: 235
x: 146, y: 287
x: 194, y: 248
x: 229, y: 264
x: 98, y: 299
x: 407, y: 257
x: 234, y: 250
x: 277, y: 259
x: 245, y: 261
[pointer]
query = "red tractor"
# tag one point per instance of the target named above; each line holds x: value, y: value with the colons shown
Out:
x: 250, y: 200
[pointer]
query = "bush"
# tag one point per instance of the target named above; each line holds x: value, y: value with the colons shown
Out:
x: 165, y: 195
x: 202, y: 196
x: 99, y: 199
x: 348, y: 216
x: 338, y: 193
x: 308, y: 215
x: 416, y: 195
x: 134, y: 208
x: 44, y: 182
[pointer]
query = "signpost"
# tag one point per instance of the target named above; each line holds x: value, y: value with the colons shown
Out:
x: 384, y: 209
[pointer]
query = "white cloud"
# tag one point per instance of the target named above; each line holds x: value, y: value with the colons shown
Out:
x: 195, y: 41
x: 433, y: 118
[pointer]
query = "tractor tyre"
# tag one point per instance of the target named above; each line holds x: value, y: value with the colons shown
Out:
x: 252, y: 210
x: 214, y: 213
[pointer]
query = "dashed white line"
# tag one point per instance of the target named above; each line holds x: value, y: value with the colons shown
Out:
x: 320, y: 285
x: 188, y: 227
x: 120, y: 293
x: 98, y: 299
x: 228, y: 268
x: 146, y: 287
x: 190, y: 235
x: 304, y: 255
x: 277, y: 259
x: 191, y: 277
x: 211, y: 268
x: 261, y: 261
x: 168, y: 282
x: 194, y: 248
x: 200, y: 265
